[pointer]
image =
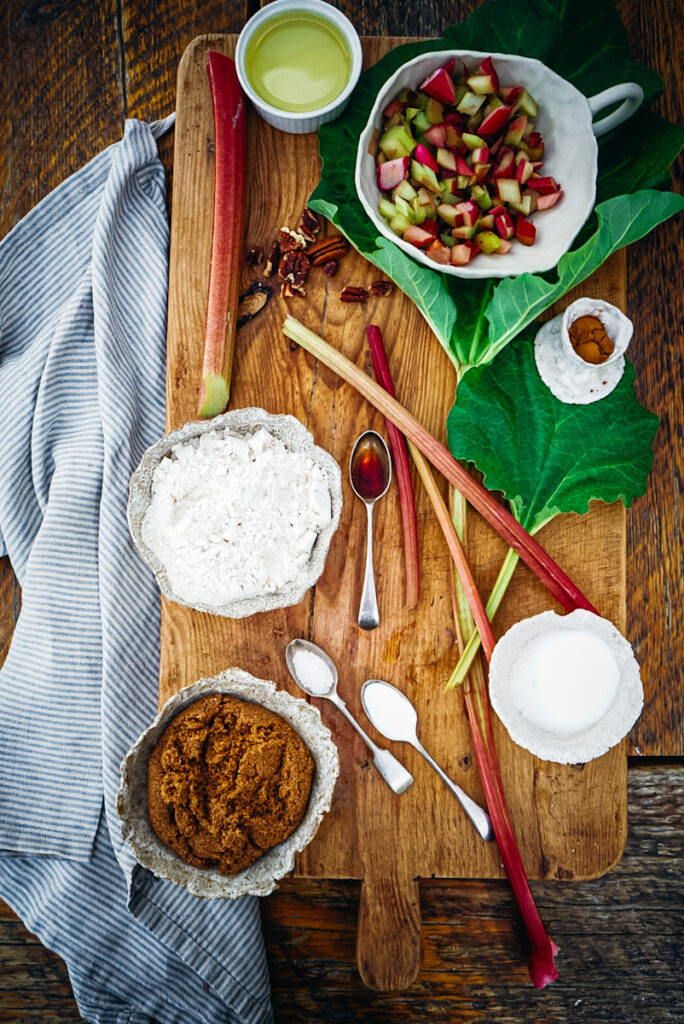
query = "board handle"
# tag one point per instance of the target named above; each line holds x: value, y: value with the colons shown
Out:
x: 389, y: 945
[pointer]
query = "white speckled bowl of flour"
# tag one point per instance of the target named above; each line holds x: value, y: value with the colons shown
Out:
x: 195, y: 524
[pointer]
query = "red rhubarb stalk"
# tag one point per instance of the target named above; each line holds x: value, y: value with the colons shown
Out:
x: 397, y: 445
x: 230, y: 147
x: 542, y: 950
x: 551, y: 575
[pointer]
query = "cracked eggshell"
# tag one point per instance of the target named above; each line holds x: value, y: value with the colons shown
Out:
x: 240, y: 423
x: 592, y: 741
x: 260, y: 878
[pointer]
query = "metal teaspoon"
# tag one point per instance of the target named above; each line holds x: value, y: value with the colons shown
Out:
x: 370, y: 473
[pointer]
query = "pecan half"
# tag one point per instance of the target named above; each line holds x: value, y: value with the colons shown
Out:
x: 293, y: 267
x: 381, y: 288
x: 330, y: 268
x: 352, y: 294
x: 290, y: 240
x: 325, y: 249
x: 310, y: 225
x: 255, y: 256
x: 272, y: 259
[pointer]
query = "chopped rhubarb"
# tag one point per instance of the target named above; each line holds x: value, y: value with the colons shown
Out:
x: 416, y: 236
x: 546, y: 202
x: 525, y: 230
x: 423, y: 155
x: 392, y: 172
x: 439, y: 85
x: 544, y: 186
x: 487, y: 68
x: 495, y: 121
x: 230, y: 147
x: 460, y: 255
x: 436, y: 134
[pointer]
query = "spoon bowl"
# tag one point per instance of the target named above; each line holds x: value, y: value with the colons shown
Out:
x: 315, y: 651
x: 370, y: 474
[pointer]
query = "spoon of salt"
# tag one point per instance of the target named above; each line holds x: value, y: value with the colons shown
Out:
x: 395, y: 717
x: 315, y: 673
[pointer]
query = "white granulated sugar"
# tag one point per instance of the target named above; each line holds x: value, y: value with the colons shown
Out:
x: 234, y: 517
x: 564, y: 681
x: 312, y: 672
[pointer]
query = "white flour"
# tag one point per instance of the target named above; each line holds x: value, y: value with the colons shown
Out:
x: 234, y: 517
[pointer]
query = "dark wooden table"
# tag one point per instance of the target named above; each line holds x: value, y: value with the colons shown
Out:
x: 73, y: 70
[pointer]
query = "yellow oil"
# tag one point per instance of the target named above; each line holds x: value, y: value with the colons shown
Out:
x: 298, y: 61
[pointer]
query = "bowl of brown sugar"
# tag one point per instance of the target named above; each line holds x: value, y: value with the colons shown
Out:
x: 227, y: 785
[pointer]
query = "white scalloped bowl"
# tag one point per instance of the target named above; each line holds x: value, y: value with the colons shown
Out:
x: 564, y: 120
x: 260, y: 878
x: 587, y: 743
x: 241, y: 423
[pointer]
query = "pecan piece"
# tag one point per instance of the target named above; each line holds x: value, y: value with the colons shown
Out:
x: 310, y: 225
x: 255, y: 256
x: 272, y: 259
x: 293, y: 267
x: 352, y: 294
x: 381, y: 288
x: 289, y: 290
x: 325, y: 249
x: 330, y: 268
x: 290, y: 240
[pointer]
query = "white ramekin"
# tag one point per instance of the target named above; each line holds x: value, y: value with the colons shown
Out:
x: 298, y: 122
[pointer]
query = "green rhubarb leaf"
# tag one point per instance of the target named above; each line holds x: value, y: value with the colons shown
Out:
x: 584, y: 41
x: 545, y: 456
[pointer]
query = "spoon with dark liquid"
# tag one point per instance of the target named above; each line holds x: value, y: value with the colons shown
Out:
x: 370, y: 472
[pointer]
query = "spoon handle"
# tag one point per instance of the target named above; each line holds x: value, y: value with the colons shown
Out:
x: 369, y: 617
x: 477, y: 815
x: 391, y: 770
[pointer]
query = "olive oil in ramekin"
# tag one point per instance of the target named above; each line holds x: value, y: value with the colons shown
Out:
x: 298, y: 61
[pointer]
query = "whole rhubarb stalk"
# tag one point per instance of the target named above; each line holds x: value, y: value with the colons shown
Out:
x: 397, y: 445
x: 230, y: 147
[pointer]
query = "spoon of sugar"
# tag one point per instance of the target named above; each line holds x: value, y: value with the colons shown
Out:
x: 395, y: 717
x: 315, y: 673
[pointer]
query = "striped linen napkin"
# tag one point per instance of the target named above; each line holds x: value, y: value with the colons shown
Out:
x: 83, y: 283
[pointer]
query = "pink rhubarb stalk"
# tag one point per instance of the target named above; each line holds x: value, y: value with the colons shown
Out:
x: 397, y: 445
x: 551, y: 575
x: 230, y: 147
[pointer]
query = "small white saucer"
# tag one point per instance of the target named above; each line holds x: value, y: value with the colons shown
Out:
x: 562, y: 373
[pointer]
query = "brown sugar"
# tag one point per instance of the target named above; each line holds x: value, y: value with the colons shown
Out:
x: 590, y: 340
x: 226, y: 781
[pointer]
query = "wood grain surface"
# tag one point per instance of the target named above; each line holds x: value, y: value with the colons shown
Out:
x: 72, y: 72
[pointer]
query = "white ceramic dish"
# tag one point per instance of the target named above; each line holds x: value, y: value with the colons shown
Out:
x: 242, y: 423
x: 591, y: 741
x: 564, y: 120
x: 296, y: 122
x: 260, y: 878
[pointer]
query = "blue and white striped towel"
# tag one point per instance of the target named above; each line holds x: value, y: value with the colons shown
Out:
x: 83, y: 282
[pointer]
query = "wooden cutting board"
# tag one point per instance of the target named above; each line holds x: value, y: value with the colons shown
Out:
x: 570, y: 821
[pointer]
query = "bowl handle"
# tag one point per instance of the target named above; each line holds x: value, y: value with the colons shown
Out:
x: 630, y: 92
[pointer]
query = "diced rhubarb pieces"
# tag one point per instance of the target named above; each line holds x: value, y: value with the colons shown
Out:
x: 392, y: 172
x: 504, y: 247
x: 481, y: 85
x: 504, y: 225
x: 514, y: 131
x: 460, y: 255
x: 431, y: 226
x: 395, y: 107
x: 436, y: 134
x: 439, y: 252
x: 449, y: 161
x: 544, y: 186
x: 495, y: 121
x: 439, y: 85
x: 397, y: 141
x: 417, y: 236
x: 525, y: 230
x: 547, y: 201
x: 423, y: 155
x: 508, y: 189
x: 487, y: 68
x: 450, y: 214
x: 524, y: 170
